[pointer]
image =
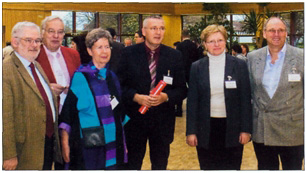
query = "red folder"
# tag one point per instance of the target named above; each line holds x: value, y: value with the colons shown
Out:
x: 156, y: 91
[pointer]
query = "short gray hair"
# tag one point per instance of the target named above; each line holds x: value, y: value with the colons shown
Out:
x: 19, y: 27
x: 95, y: 35
x: 151, y: 17
x: 48, y: 19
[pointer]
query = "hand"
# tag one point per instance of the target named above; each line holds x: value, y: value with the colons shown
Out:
x: 192, y: 140
x: 244, y: 138
x: 10, y: 164
x: 142, y: 100
x: 65, y: 146
x: 57, y: 89
x: 158, y: 99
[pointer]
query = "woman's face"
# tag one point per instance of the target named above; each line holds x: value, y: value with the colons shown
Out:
x: 215, y: 44
x: 138, y: 39
x: 100, y: 52
x: 243, y: 49
x: 73, y: 45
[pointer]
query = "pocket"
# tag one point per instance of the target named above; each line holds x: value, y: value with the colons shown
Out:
x: 297, y: 116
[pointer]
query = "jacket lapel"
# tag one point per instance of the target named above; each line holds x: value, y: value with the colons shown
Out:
x: 44, y: 62
x: 25, y: 75
x: 141, y: 58
x: 229, y: 65
x: 289, y: 63
x: 203, y: 72
x: 68, y: 61
x: 260, y: 62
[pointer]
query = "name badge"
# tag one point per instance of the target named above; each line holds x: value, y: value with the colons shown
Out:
x: 294, y: 77
x: 168, y: 80
x: 114, y: 103
x: 231, y: 84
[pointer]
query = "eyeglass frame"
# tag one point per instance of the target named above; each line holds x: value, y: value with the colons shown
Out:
x: 53, y: 32
x: 31, y: 41
x: 156, y: 28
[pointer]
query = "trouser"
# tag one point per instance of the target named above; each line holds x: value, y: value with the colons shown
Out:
x: 217, y: 156
x: 48, y: 153
x: 267, y: 156
x: 137, y: 135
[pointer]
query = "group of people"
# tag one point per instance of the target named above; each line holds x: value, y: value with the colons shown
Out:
x: 85, y: 116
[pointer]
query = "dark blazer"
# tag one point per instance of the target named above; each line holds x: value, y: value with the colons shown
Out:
x: 238, y: 101
x: 189, y: 53
x: 71, y: 57
x: 115, y: 55
x: 135, y: 78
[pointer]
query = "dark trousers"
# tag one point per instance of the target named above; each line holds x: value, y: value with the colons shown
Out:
x: 267, y: 156
x: 218, y: 156
x: 137, y: 134
x: 48, y: 153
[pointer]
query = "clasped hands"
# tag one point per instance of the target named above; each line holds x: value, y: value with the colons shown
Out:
x: 192, y: 141
x: 150, y: 100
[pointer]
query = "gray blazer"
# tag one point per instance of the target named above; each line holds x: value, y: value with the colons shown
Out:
x: 278, y: 121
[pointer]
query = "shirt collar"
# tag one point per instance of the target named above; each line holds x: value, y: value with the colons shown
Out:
x: 283, y: 50
x: 52, y: 53
x: 148, y: 50
x: 24, y: 61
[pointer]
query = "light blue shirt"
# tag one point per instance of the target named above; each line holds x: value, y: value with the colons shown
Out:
x: 26, y: 64
x: 272, y: 72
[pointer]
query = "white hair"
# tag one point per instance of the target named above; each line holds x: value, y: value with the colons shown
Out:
x: 50, y: 18
x: 19, y: 27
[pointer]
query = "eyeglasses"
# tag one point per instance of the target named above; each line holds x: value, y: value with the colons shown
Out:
x: 156, y: 28
x: 273, y: 31
x: 212, y: 42
x: 53, y: 32
x: 103, y: 48
x: 31, y: 41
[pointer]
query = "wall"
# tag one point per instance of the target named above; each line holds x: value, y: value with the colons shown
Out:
x: 10, y: 17
x: 173, y: 30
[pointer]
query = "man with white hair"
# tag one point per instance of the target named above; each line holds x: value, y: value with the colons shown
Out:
x: 58, y: 62
x: 30, y: 119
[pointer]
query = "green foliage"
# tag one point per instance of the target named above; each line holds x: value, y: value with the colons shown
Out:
x: 130, y: 23
x: 218, y: 10
x: 218, y: 16
x: 251, y: 22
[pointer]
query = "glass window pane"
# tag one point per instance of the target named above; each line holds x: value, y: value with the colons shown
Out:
x: 238, y: 23
x: 286, y: 18
x: 190, y: 20
x: 108, y: 20
x: 85, y: 21
x: 130, y: 24
x: 66, y: 16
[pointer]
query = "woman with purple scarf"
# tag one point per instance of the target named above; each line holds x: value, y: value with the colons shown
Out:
x: 94, y: 100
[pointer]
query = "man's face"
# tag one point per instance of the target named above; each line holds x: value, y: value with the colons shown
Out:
x: 154, y: 32
x: 53, y: 35
x: 28, y: 43
x: 275, y: 33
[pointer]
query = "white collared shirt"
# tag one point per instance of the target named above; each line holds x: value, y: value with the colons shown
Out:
x: 60, y: 71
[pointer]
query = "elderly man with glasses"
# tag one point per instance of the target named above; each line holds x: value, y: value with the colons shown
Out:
x: 30, y: 118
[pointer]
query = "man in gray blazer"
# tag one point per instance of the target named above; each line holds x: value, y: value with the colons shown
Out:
x: 277, y: 79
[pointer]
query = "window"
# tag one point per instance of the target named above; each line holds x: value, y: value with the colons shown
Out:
x: 66, y: 16
x: 130, y: 25
x: 85, y: 21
